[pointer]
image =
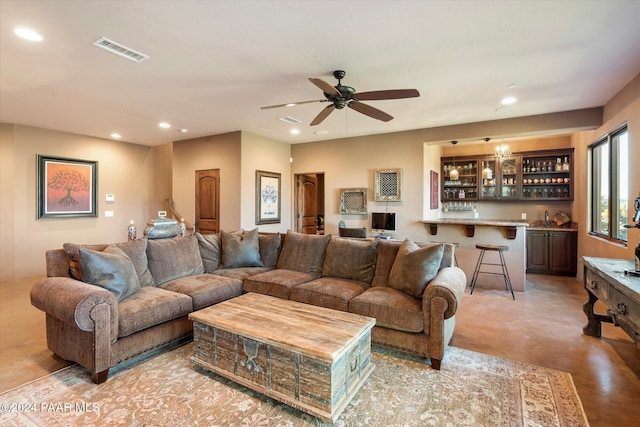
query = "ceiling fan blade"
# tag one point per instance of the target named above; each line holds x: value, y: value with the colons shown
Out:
x: 370, y: 111
x: 387, y: 94
x: 323, y: 114
x: 291, y: 104
x: 326, y: 87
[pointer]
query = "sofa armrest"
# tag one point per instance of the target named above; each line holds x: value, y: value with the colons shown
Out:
x: 449, y: 284
x: 74, y: 301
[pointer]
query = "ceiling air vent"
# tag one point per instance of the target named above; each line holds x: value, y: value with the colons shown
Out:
x: 120, y: 50
x: 290, y: 120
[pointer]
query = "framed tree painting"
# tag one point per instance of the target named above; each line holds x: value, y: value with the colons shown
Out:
x: 66, y: 187
x: 267, y: 197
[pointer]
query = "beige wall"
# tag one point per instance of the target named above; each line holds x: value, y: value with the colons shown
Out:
x: 259, y: 153
x: 125, y: 170
x: 212, y: 152
x: 352, y: 162
x: 624, y: 107
x: 238, y: 155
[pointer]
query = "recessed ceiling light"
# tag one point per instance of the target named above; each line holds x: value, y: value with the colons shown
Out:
x: 164, y: 125
x: 116, y: 135
x: 509, y: 100
x: 28, y: 34
x: 294, y: 131
x: 321, y: 132
x: 184, y: 130
x: 291, y: 104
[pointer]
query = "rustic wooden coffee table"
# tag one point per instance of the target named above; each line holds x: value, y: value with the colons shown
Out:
x: 311, y: 358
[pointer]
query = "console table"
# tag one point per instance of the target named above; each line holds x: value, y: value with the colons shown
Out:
x: 605, y: 280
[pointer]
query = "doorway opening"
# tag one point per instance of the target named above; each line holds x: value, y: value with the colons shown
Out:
x: 309, y: 203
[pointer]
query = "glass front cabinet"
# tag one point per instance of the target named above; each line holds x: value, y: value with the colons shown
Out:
x: 459, y: 180
x: 525, y: 176
x: 500, y: 178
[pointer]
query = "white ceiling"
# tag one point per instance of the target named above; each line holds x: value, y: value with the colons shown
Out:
x: 213, y: 64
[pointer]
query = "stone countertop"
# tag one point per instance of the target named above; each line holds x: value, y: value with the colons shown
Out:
x: 486, y: 222
x: 539, y: 225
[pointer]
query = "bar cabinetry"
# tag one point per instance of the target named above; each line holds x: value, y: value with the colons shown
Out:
x: 524, y: 176
x: 459, y: 180
x: 548, y: 175
x: 500, y: 178
x: 552, y: 251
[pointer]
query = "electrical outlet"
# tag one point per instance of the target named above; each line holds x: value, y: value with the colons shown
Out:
x: 523, y: 215
x: 108, y: 213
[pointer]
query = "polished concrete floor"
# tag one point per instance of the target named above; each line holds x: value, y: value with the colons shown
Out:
x: 543, y: 326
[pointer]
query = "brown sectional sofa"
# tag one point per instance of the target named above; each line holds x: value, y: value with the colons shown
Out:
x: 101, y: 326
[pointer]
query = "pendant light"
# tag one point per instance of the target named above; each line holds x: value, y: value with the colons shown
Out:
x: 487, y: 173
x: 454, y: 174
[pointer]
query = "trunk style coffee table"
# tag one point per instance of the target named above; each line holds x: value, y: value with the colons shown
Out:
x: 311, y: 358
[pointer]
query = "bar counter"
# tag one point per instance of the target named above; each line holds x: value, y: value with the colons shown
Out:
x: 468, y: 232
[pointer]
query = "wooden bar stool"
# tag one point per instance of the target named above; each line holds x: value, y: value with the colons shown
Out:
x: 500, y: 249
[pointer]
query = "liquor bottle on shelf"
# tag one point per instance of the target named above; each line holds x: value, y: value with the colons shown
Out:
x: 565, y: 164
x: 558, y: 164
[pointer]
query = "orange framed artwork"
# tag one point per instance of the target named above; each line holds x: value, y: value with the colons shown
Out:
x: 66, y: 187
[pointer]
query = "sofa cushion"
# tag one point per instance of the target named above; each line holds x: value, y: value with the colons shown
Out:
x: 329, y: 292
x: 205, y: 289
x: 303, y: 253
x: 210, y: 251
x: 73, y: 252
x: 414, y: 267
x: 171, y: 259
x: 151, y: 306
x: 111, y: 269
x: 241, y: 250
x: 240, y: 273
x: 350, y: 259
x: 269, y: 248
x: 391, y: 308
x: 277, y: 283
x: 137, y: 251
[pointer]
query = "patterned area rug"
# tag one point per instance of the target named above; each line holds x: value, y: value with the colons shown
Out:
x: 165, y: 389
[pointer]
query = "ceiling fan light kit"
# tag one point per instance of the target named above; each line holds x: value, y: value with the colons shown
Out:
x: 341, y: 96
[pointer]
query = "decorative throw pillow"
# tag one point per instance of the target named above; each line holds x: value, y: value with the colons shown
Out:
x: 303, y: 252
x: 111, y: 269
x: 210, y: 251
x: 269, y: 249
x: 171, y: 259
x: 414, y: 267
x: 137, y: 251
x: 73, y: 252
x: 241, y: 250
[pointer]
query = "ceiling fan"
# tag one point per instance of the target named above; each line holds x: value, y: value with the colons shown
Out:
x: 345, y: 96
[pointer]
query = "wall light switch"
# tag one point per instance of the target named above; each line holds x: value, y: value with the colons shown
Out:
x: 108, y: 213
x: 110, y: 198
x: 523, y: 215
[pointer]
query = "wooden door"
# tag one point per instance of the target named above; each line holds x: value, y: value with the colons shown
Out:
x: 208, y: 201
x: 307, y: 204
